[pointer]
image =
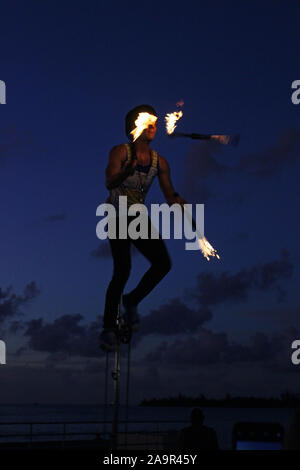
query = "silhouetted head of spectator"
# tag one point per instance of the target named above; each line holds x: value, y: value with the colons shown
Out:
x: 197, y: 417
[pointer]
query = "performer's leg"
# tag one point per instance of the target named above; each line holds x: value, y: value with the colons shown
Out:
x: 122, y: 264
x: 156, y: 252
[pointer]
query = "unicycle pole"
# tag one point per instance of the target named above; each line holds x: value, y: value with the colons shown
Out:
x: 127, y: 390
x: 123, y: 336
x: 105, y: 395
x: 116, y: 378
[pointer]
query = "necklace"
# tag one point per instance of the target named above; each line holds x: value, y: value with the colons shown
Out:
x: 141, y: 186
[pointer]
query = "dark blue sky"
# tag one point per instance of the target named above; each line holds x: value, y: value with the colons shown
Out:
x: 72, y: 71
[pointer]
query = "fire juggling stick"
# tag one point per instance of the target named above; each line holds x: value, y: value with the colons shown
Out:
x: 204, y: 244
x: 172, y: 118
x: 222, y: 139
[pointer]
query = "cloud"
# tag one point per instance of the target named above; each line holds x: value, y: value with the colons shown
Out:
x: 67, y: 335
x: 11, y: 303
x: 174, y: 318
x: 61, y: 381
x: 198, y: 359
x: 279, y: 314
x: 215, y: 289
x: 285, y: 151
x: 64, y: 335
x: 205, y: 347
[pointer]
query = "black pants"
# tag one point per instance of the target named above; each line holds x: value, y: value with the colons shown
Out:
x: 154, y: 250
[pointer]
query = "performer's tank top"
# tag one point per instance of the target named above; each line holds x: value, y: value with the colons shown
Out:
x: 135, y: 187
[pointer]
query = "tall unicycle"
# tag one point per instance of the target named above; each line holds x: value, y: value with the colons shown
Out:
x: 123, y: 336
x: 116, y: 379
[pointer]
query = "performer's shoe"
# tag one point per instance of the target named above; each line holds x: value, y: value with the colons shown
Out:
x: 130, y: 316
x: 108, y: 340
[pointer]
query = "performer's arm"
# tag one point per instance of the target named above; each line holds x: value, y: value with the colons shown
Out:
x: 166, y: 185
x: 117, y: 169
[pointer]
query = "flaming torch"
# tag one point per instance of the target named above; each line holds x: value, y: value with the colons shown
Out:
x: 222, y: 139
x: 172, y: 118
x: 204, y: 244
x: 142, y: 122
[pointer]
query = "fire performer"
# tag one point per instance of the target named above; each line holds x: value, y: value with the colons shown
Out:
x: 131, y: 170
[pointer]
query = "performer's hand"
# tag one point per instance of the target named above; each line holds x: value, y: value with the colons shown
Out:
x: 180, y: 200
x: 176, y: 200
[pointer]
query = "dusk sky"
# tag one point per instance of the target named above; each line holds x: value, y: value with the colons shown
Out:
x: 72, y: 71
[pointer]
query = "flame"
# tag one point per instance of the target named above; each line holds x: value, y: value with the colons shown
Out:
x: 207, y: 249
x: 205, y: 246
x: 171, y: 120
x: 180, y: 103
x: 223, y: 139
x: 142, y: 122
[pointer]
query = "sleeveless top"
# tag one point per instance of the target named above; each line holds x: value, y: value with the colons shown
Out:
x: 135, y: 187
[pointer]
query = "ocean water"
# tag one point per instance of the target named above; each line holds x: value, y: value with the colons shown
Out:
x: 140, y: 419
